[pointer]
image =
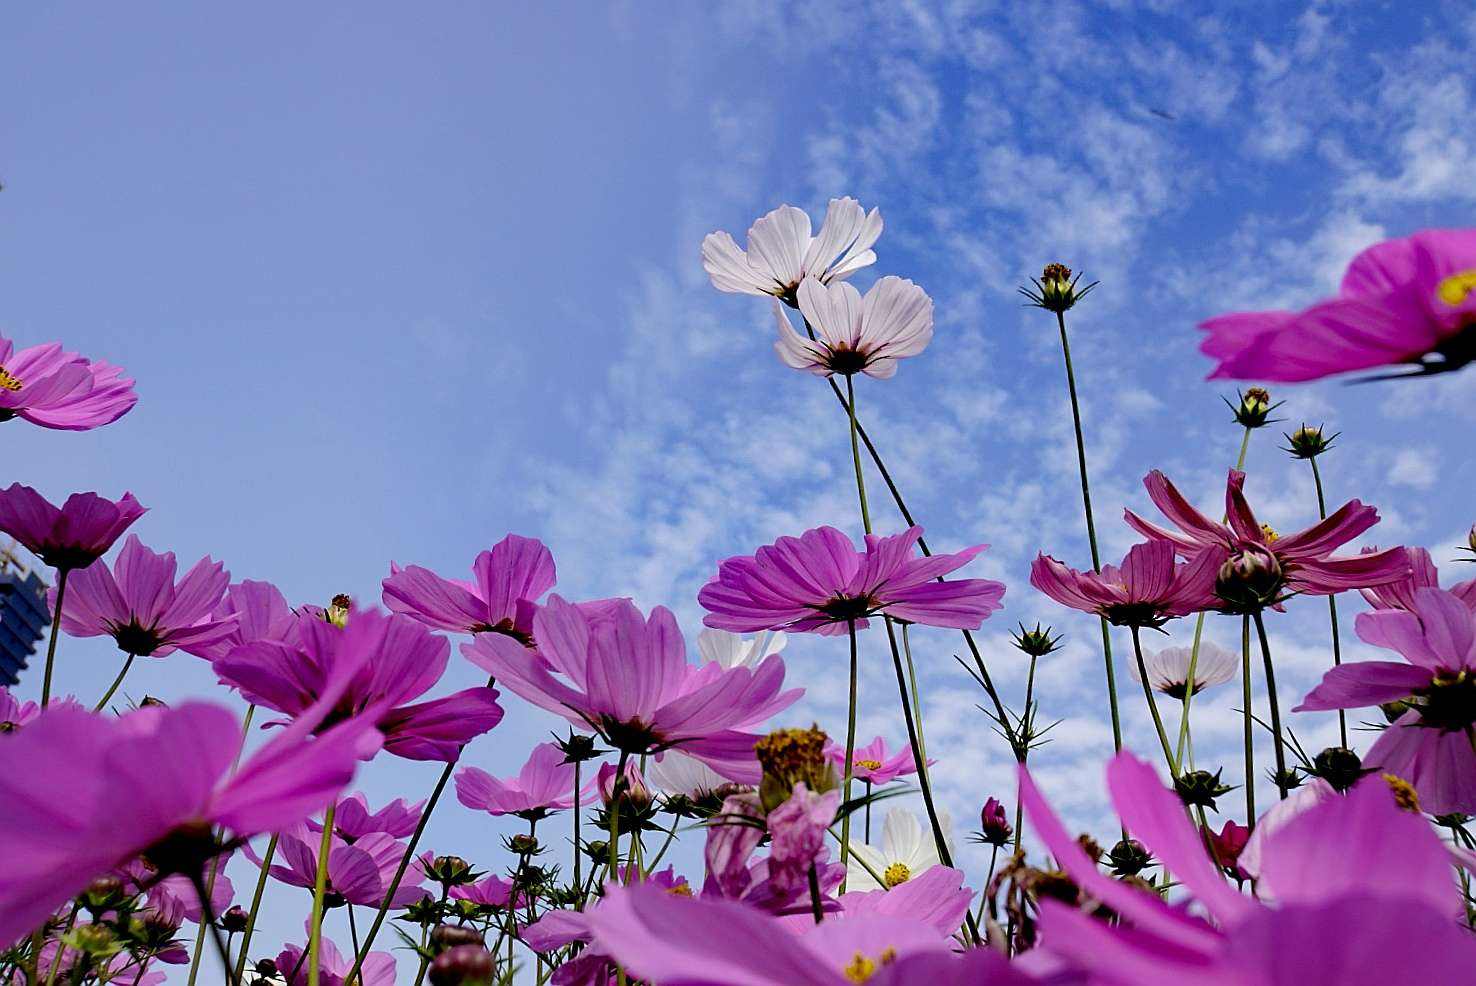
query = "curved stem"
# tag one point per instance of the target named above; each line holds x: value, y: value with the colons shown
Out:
x: 1332, y: 602
x: 1250, y: 736
x: 320, y: 889
x: 845, y: 850
x: 103, y: 702
x: 261, y: 879
x: 61, y: 590
x: 1275, y: 705
x: 1168, y: 754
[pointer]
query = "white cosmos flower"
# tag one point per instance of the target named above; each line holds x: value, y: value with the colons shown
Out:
x: 677, y: 773
x: 734, y: 651
x: 907, y: 851
x: 1168, y: 669
x: 855, y: 334
x: 781, y: 251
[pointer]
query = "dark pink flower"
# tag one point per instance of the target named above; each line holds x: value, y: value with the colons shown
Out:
x: 1227, y: 844
x: 358, y: 873
x: 174, y: 898
x: 352, y: 819
x: 138, y: 603
x: 937, y: 896
x: 1146, y: 590
x: 994, y: 823
x: 819, y: 582
x: 398, y: 660
x: 546, y: 783
x: 14, y: 713
x: 873, y: 763
x: 1304, y: 558
x: 73, y: 536
x: 1407, y: 301
x: 1430, y: 745
x: 257, y: 611
x: 510, y: 579
x: 627, y: 678
x: 56, y: 389
x: 490, y: 891
x: 1423, y: 575
x: 334, y: 966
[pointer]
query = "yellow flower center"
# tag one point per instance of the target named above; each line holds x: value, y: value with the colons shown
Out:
x: 896, y: 875
x: 683, y: 889
x: 869, y: 764
x: 860, y: 968
x: 1271, y: 536
x: 8, y: 380
x: 1456, y: 288
x: 1404, y: 793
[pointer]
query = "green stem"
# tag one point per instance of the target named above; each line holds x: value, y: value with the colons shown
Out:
x: 61, y: 949
x: 1027, y: 729
x: 916, y: 700
x: 320, y: 889
x: 61, y: 590
x: 578, y: 880
x: 845, y: 850
x: 261, y: 879
x: 856, y: 452
x: 1168, y: 753
x: 103, y: 702
x: 1250, y: 736
x: 215, y: 863
x: 613, y: 809
x: 665, y: 845
x: 815, y: 907
x: 207, y: 919
x: 1332, y: 602
x: 984, y: 894
x: 1275, y: 704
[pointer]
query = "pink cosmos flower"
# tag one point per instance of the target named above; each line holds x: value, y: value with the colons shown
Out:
x: 1303, y: 559
x: 797, y: 837
x: 14, y: 713
x: 546, y: 783
x: 855, y: 334
x: 633, y: 789
x: 174, y: 898
x: 1344, y: 915
x: 1406, y: 301
x: 627, y: 678
x: 1147, y: 590
x: 777, y: 883
x: 360, y: 873
x: 782, y: 253
x: 490, y: 891
x: 117, y: 787
x: 352, y: 819
x: 872, y: 762
x: 334, y: 966
x: 510, y: 579
x: 937, y: 896
x: 1430, y: 745
x: 398, y: 660
x: 256, y: 611
x: 819, y: 582
x: 73, y: 536
x: 56, y: 389
x: 138, y: 603
x: 1423, y: 575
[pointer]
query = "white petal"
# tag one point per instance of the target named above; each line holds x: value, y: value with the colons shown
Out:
x: 677, y: 773
x: 795, y: 350
x: 843, y: 220
x: 901, y: 835
x: 859, y: 254
x: 777, y: 244
x: 834, y: 312
x: 729, y: 269
x: 856, y: 876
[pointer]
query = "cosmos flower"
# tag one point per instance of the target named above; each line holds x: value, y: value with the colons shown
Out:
x: 907, y: 850
x: 1409, y: 301
x: 1302, y: 561
x: 56, y: 389
x: 490, y: 891
x: 937, y: 896
x: 118, y: 787
x: 258, y: 611
x: 509, y: 581
x: 73, y: 536
x: 740, y: 827
x: 819, y: 582
x: 627, y: 678
x: 360, y: 873
x: 1430, y: 745
x: 1147, y: 589
x: 733, y: 650
x: 352, y: 819
x: 138, y: 603
x: 872, y: 762
x: 855, y: 334
x: 782, y: 253
x: 399, y: 661
x: 14, y: 713
x: 1423, y: 575
x: 1168, y: 669
x: 334, y: 966
x: 174, y: 898
x: 546, y: 783
x: 1344, y: 916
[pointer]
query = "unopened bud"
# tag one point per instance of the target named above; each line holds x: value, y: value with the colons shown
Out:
x: 1129, y: 857
x: 1339, y: 766
x: 994, y: 824
x: 1254, y: 408
x: 1201, y: 788
x: 1308, y: 443
x: 450, y: 870
x: 464, y: 965
x: 1035, y: 643
x: 449, y: 936
x: 235, y: 919
x: 1056, y: 289
x: 1249, y: 580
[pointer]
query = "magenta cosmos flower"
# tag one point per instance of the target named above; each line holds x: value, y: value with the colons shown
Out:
x: 627, y: 678
x: 14, y: 713
x: 546, y: 783
x: 398, y: 659
x: 360, y: 873
x: 782, y: 253
x: 873, y: 763
x: 1408, y: 301
x: 256, y: 611
x: 334, y: 966
x: 1345, y: 914
x: 509, y: 580
x: 1430, y: 745
x: 138, y: 603
x: 1145, y: 591
x: 353, y: 819
x: 1302, y: 561
x: 118, y: 787
x: 1423, y: 575
x: 71, y: 536
x: 855, y: 334
x: 56, y: 389
x: 819, y: 582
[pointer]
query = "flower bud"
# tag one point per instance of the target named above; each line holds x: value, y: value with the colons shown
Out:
x: 450, y: 870
x: 1035, y: 643
x: 1055, y: 289
x: 1129, y: 857
x: 464, y: 965
x: 1308, y: 443
x: 1254, y: 409
x: 1471, y: 542
x: 631, y: 790
x: 1289, y: 779
x: 1339, y: 766
x: 103, y: 894
x: 1227, y: 843
x: 524, y: 845
x: 790, y: 757
x: 337, y: 612
x: 234, y: 919
x: 577, y: 747
x: 598, y: 850
x: 1201, y: 788
x: 1249, y: 580
x: 150, y: 702
x: 93, y: 939
x: 449, y: 936
x: 994, y: 824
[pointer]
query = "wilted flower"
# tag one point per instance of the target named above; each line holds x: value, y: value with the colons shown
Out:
x: 56, y: 389
x: 855, y: 334
x: 1168, y: 669
x: 782, y: 253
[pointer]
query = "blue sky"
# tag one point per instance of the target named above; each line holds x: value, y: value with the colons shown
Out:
x: 396, y: 282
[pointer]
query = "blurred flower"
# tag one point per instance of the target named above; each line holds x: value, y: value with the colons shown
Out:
x: 782, y: 253
x: 333, y: 968
x: 352, y: 819
x: 1148, y: 589
x: 14, y: 713
x: 676, y: 773
x: 1406, y: 301
x: 546, y: 783
x: 631, y: 789
x: 733, y: 650
x: 1226, y: 845
x: 819, y: 582
x: 797, y: 837
x: 907, y: 850
x: 360, y: 873
x: 791, y: 757
x: 1168, y: 669
x: 1423, y: 575
x: 510, y: 579
x: 56, y: 389
x: 73, y: 536
x: 855, y: 334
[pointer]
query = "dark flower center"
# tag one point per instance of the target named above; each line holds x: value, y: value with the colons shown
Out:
x: 1450, y: 703
x: 506, y: 628
x: 843, y: 609
x: 137, y: 640
x: 846, y: 361
x: 186, y: 849
x: 1134, y: 614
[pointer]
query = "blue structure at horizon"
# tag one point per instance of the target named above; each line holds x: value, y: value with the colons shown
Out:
x: 23, y: 621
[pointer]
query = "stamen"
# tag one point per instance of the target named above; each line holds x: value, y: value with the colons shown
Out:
x: 896, y: 875
x: 8, y: 380
x: 1456, y: 288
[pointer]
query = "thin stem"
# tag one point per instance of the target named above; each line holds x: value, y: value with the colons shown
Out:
x: 867, y: 836
x: 1168, y: 754
x: 578, y: 880
x: 320, y: 889
x: 984, y: 894
x: 1250, y: 735
x: 261, y: 879
x: 1332, y: 602
x: 845, y: 850
x: 665, y: 845
x: 1026, y: 729
x: 916, y: 700
x: 856, y: 452
x: 353, y: 929
x: 61, y: 590
x: 61, y: 949
x: 207, y: 918
x: 815, y: 907
x: 613, y: 809
x: 103, y: 702
x: 1275, y: 704
x: 215, y: 863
